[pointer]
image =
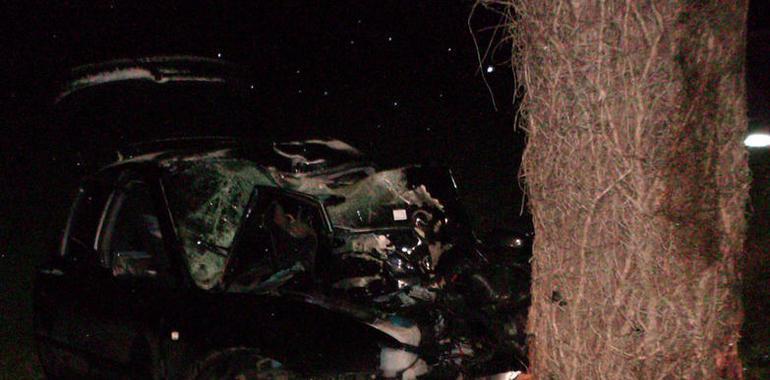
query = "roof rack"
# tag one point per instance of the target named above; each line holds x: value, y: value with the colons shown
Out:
x: 202, y: 143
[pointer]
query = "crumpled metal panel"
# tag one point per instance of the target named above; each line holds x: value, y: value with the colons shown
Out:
x: 399, y: 254
x: 386, y: 228
x: 368, y: 202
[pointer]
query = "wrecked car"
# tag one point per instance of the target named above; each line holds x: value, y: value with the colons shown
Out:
x: 199, y: 263
x: 213, y: 258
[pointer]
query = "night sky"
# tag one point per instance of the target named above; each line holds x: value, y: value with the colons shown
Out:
x: 399, y: 79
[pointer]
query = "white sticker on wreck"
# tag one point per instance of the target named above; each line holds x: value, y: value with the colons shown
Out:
x: 399, y: 214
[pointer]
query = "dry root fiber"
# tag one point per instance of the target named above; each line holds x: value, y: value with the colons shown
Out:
x: 637, y: 178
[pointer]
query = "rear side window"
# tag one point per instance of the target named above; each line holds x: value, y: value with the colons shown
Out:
x: 131, y: 243
x: 87, y: 214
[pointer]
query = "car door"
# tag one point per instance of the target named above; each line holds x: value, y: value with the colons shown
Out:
x: 279, y: 243
x: 281, y: 253
x: 60, y: 327
x: 131, y: 288
x: 113, y: 296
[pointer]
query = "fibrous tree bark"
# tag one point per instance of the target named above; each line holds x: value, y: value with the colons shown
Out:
x: 637, y: 181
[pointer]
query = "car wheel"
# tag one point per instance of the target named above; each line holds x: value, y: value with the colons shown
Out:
x: 241, y: 364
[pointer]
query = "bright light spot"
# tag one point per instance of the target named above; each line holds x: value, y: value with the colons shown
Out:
x: 490, y: 69
x: 449, y: 50
x: 352, y: 42
x: 757, y: 140
x: 175, y: 335
x: 219, y: 55
x: 326, y: 93
x: 390, y: 38
x: 251, y: 87
x: 395, y: 104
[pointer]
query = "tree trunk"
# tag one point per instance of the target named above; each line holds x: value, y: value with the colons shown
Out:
x: 637, y: 178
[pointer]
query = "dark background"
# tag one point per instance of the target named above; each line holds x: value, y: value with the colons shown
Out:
x: 398, y: 79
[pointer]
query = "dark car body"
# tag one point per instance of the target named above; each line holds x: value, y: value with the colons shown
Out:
x: 118, y: 296
x: 90, y: 318
x: 187, y: 258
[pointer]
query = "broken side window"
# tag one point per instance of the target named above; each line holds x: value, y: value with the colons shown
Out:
x: 279, y: 240
x: 207, y: 198
x: 87, y: 213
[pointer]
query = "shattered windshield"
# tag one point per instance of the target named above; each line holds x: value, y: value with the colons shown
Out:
x: 207, y: 198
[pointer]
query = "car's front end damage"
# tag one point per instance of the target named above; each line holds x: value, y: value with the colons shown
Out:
x: 395, y: 251
x: 391, y: 258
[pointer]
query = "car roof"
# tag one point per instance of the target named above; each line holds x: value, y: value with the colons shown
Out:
x: 268, y: 154
x: 154, y: 154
